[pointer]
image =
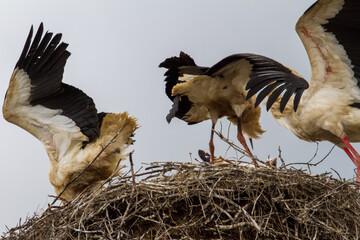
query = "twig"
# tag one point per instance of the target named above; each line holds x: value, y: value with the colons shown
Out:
x: 308, y: 163
x: 190, y: 201
x: 337, y: 173
x: 281, y: 158
x: 236, y: 148
x: 316, y: 152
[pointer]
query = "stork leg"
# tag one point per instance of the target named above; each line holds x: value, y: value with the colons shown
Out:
x: 242, y: 140
x: 211, y: 143
x: 353, y: 155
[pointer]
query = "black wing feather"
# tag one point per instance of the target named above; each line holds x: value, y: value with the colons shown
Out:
x: 297, y: 98
x: 281, y: 78
x: 265, y: 92
x: 224, y: 62
x: 257, y: 88
x: 20, y: 62
x: 44, y: 62
x: 49, y: 49
x: 260, y: 77
x: 31, y: 53
x: 285, y: 98
x: 177, y: 66
x: 274, y: 96
x: 346, y: 27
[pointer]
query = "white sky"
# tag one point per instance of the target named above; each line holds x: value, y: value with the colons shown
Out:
x: 116, y: 48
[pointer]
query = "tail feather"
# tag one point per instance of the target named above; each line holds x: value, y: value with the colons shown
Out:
x: 121, y: 125
x: 116, y: 134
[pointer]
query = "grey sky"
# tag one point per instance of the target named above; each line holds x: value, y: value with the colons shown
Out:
x: 116, y: 48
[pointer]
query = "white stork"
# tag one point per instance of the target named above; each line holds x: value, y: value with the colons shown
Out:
x: 328, y: 107
x: 200, y: 93
x: 64, y: 118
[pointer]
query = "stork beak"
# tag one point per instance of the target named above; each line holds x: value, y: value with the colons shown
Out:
x: 251, y: 143
x: 174, y: 109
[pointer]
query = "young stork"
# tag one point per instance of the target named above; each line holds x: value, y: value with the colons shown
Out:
x: 328, y: 108
x: 64, y: 118
x: 200, y: 92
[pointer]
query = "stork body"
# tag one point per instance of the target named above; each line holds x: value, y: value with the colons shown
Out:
x: 64, y: 118
x: 326, y: 109
x: 220, y: 90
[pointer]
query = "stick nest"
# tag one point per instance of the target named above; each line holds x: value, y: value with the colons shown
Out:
x: 203, y: 201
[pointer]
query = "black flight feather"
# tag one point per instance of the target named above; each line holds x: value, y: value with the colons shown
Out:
x: 260, y: 97
x: 30, y: 54
x: 266, y: 70
x: 212, y: 71
x: 272, y: 98
x: 285, y: 98
x: 346, y: 28
x: 44, y: 60
x: 257, y: 88
x: 20, y: 62
x: 297, y: 98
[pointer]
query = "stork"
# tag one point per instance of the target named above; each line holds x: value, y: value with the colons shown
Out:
x: 328, y: 107
x: 64, y: 118
x: 200, y: 93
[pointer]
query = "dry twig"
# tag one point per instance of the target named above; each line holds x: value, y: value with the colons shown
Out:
x: 203, y: 201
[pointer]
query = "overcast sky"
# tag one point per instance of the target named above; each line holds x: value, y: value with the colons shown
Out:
x: 116, y: 48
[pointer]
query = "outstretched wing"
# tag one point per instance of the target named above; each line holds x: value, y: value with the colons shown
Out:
x: 59, y: 115
x: 271, y: 77
x: 265, y: 76
x: 182, y: 108
x: 330, y: 32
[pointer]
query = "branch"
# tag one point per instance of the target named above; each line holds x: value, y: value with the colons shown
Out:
x: 308, y: 163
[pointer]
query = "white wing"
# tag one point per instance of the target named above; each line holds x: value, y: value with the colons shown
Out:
x: 58, y: 114
x: 330, y: 32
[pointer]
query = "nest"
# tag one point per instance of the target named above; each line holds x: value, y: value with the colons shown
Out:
x: 203, y: 201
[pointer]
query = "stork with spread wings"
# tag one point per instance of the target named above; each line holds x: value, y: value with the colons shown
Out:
x: 64, y: 118
x: 202, y: 93
x: 328, y: 107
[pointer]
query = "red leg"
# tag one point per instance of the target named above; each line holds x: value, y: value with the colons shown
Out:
x: 242, y: 140
x: 352, y: 149
x: 211, y: 143
x: 353, y: 155
x: 347, y: 151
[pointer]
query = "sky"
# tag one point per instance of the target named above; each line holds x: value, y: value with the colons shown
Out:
x: 116, y: 48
